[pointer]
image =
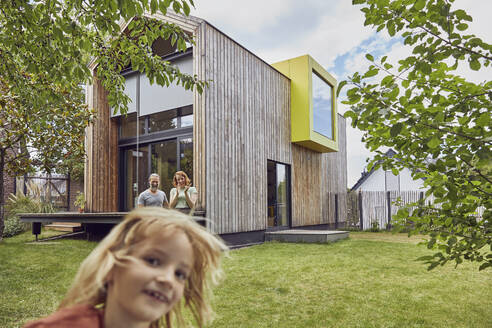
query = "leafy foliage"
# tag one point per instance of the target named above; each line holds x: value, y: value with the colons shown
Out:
x: 438, y: 121
x: 45, y: 51
x: 21, y: 203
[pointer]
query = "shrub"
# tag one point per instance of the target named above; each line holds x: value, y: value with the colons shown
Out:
x: 374, y: 226
x: 21, y: 203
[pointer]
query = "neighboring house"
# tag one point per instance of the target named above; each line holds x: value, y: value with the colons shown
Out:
x: 263, y: 144
x: 381, y: 180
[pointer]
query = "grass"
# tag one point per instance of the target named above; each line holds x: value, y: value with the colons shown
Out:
x: 369, y: 280
x: 35, y: 276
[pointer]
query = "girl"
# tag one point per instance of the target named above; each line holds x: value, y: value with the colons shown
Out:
x: 152, y: 265
x: 182, y: 196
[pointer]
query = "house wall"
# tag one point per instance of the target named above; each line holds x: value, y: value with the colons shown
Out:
x: 101, y: 140
x: 316, y: 178
x: 247, y: 122
x: 377, y: 181
x: 407, y: 183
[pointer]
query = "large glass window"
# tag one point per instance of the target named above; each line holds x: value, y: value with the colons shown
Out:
x: 322, y: 107
x: 164, y: 162
x: 128, y: 125
x: 163, y: 121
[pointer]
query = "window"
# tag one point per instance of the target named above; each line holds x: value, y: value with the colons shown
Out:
x: 128, y: 126
x: 158, y: 122
x: 322, y: 107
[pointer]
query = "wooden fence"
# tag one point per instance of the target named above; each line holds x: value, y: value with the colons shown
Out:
x: 374, y: 209
x: 54, y: 189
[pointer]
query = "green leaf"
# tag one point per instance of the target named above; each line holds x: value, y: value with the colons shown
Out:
x: 340, y: 87
x: 462, y: 26
x: 186, y: 9
x: 485, y: 266
x: 419, y: 5
x: 153, y: 6
x: 475, y: 65
x: 396, y: 129
x: 371, y: 72
x: 162, y: 8
x: 434, y: 142
x: 369, y: 57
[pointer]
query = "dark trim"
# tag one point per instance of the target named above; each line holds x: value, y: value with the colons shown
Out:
x: 289, y: 193
x: 325, y: 226
x: 156, y: 136
x: 244, y: 238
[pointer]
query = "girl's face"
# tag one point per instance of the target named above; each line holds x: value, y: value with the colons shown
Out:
x: 149, y: 286
x: 180, y: 180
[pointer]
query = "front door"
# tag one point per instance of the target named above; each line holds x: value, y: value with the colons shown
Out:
x: 278, y: 177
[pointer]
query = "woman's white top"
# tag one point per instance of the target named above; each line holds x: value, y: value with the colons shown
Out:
x: 181, y: 197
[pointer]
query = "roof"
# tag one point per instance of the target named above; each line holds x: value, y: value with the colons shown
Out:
x: 365, y: 175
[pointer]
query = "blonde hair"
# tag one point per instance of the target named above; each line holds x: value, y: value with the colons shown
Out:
x: 183, y: 174
x: 89, y: 283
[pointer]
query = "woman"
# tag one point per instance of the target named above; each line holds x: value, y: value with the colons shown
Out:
x: 183, y: 195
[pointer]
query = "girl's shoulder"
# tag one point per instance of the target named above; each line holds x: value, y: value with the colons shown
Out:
x: 192, y: 189
x: 78, y: 316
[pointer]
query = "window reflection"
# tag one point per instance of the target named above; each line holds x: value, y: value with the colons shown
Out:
x: 128, y: 124
x: 187, y: 121
x: 162, y: 121
x: 186, y: 156
x: 164, y: 162
x: 322, y: 107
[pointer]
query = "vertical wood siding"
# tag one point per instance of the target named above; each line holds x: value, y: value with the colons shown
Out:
x: 199, y: 119
x: 316, y: 178
x: 247, y: 122
x: 101, y: 175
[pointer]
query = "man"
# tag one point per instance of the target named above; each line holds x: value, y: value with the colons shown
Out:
x: 153, y: 196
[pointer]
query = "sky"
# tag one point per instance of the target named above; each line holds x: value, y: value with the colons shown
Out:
x: 332, y: 32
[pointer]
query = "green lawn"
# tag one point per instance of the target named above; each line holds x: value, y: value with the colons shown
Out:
x: 370, y: 280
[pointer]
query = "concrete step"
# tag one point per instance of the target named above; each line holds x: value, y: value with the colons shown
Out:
x: 306, y: 236
x: 64, y: 226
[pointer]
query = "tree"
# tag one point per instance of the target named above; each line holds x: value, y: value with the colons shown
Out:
x: 438, y: 121
x: 45, y: 49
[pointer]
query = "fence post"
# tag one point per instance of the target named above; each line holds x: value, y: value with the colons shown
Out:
x: 24, y: 188
x: 336, y: 211
x: 388, y: 199
x: 361, y: 215
x: 68, y: 191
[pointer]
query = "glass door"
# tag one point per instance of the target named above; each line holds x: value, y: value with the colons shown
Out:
x: 164, y: 157
x: 164, y: 163
x: 278, y: 176
x: 136, y: 174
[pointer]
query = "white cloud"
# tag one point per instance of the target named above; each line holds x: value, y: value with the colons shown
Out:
x: 326, y: 29
x: 250, y: 16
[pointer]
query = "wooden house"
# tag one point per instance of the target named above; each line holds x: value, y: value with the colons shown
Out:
x: 263, y: 144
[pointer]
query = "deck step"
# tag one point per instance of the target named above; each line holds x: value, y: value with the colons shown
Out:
x: 306, y: 236
x: 64, y: 226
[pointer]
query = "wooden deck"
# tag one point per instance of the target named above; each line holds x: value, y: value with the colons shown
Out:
x: 306, y: 236
x: 89, y: 221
